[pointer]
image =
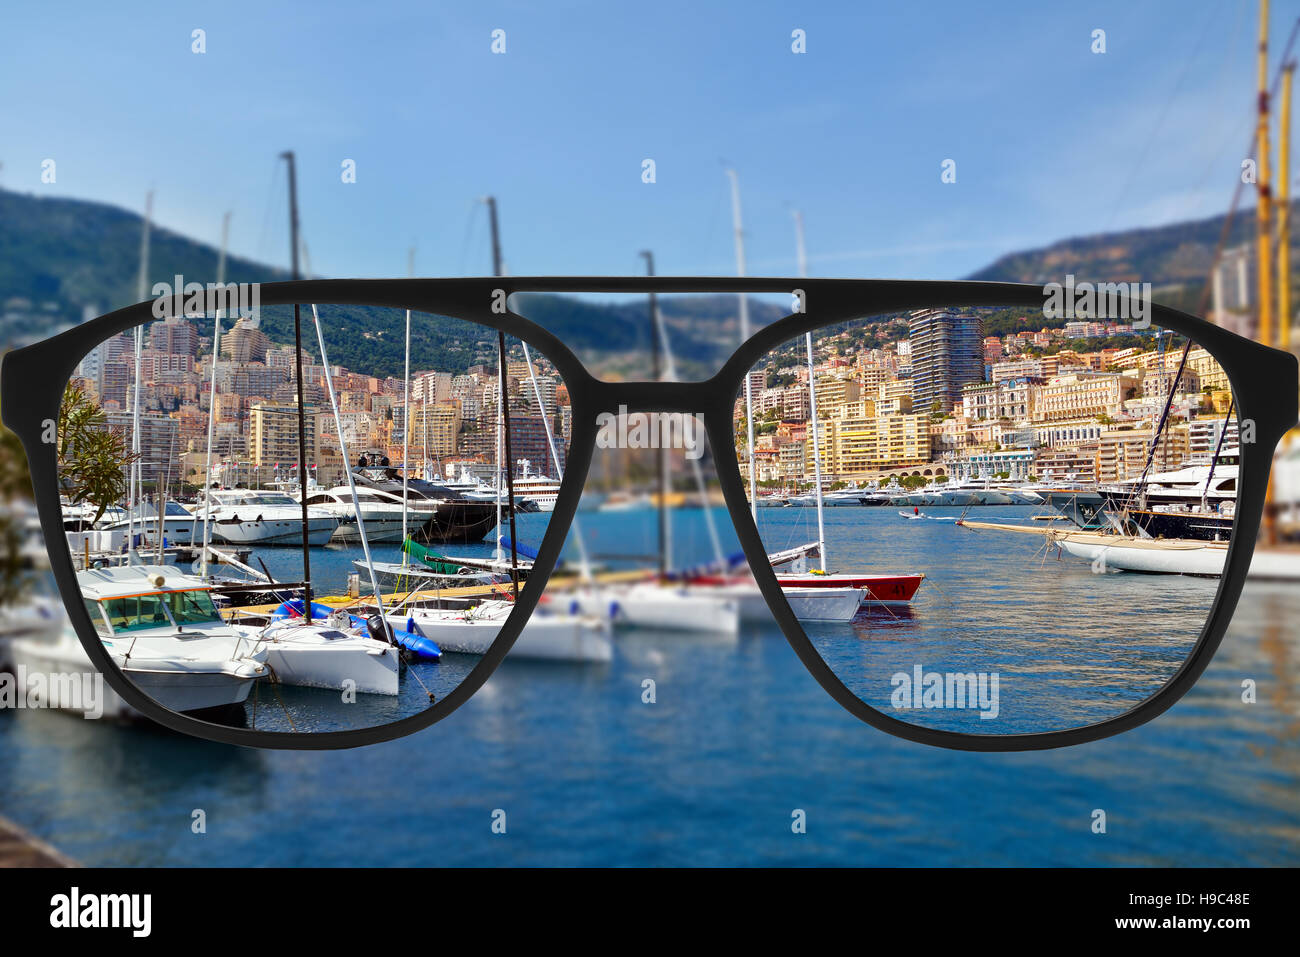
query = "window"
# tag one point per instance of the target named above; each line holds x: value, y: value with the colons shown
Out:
x: 136, y: 613
x: 96, y: 616
x: 192, y: 607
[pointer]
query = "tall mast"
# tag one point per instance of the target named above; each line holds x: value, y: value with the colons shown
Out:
x: 656, y: 373
x: 212, y: 402
x: 136, y: 484
x: 1284, y: 214
x: 406, y: 413
x: 1265, y: 259
x: 739, y: 230
x: 504, y: 417
x: 802, y: 254
x: 302, y: 412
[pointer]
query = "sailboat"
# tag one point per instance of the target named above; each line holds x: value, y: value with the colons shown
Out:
x: 471, y: 627
x: 334, y: 652
x: 816, y: 595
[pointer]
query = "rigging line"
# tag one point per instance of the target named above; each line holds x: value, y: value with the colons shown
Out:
x: 343, y: 449
x: 1250, y: 153
x: 1218, y: 450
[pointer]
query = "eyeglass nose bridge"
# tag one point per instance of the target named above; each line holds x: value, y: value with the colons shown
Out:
x: 687, y: 397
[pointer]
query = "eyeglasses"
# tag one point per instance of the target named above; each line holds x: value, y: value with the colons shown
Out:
x: 319, y: 514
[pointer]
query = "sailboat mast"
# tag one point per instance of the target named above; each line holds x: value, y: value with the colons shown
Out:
x: 302, y: 412
x: 343, y: 451
x: 135, y: 491
x: 1284, y: 316
x: 802, y: 255
x: 504, y: 417
x: 1265, y: 260
x: 739, y: 230
x: 656, y: 374
x: 406, y: 414
x: 212, y: 402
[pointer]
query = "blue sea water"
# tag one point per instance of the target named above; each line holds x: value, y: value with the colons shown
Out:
x: 739, y: 739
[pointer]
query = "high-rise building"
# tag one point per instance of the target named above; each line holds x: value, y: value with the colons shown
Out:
x: 273, y: 435
x: 245, y: 343
x: 174, y: 335
x: 434, y: 428
x: 947, y: 353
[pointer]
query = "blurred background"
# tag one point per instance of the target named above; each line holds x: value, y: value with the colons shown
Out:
x: 1107, y: 141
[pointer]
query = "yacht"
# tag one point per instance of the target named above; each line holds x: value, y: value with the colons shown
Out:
x: 536, y: 488
x: 442, y: 515
x: 180, y: 527
x: 35, y: 618
x: 80, y: 517
x: 55, y: 672
x: 243, y: 516
x: 1187, y: 487
x: 164, y: 634
x: 662, y: 607
x: 382, y: 514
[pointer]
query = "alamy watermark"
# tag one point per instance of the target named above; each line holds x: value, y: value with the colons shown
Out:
x: 38, y: 690
x: 1127, y: 301
x: 651, y: 430
x: 171, y: 300
x: 950, y: 690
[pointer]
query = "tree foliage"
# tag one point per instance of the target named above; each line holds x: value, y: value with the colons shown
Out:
x: 93, y: 458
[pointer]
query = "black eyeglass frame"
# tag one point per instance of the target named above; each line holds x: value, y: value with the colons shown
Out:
x: 1265, y: 385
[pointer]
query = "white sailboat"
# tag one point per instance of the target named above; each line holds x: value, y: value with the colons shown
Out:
x: 549, y: 634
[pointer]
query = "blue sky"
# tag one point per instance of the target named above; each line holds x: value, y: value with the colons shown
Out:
x: 1050, y: 139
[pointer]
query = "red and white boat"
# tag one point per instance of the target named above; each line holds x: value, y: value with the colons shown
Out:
x: 876, y: 589
x: 882, y: 589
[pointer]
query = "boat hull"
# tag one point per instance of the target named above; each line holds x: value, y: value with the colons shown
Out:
x: 458, y: 523
x: 188, y: 690
x: 378, y: 531
x: 880, y: 589
x: 1195, y: 525
x: 544, y: 637
x: 336, y: 668
x: 662, y: 608
x: 823, y: 604
x: 273, y: 532
x: 58, y: 658
x: 1139, y: 555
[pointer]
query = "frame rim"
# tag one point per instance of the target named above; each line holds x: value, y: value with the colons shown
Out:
x: 32, y: 381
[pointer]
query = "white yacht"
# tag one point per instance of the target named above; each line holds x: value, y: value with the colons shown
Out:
x: 382, y: 514
x: 162, y: 631
x: 179, y: 525
x: 55, y: 672
x: 242, y: 516
x: 1187, y: 486
x: 35, y: 618
x: 536, y: 488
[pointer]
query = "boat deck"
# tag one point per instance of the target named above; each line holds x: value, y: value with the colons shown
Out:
x: 463, y: 592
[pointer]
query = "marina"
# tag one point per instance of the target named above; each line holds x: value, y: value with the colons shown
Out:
x: 751, y: 696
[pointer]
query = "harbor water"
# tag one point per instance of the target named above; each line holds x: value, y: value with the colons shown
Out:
x: 738, y: 740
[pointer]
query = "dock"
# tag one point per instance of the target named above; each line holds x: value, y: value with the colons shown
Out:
x: 476, y: 592
x: 20, y: 849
